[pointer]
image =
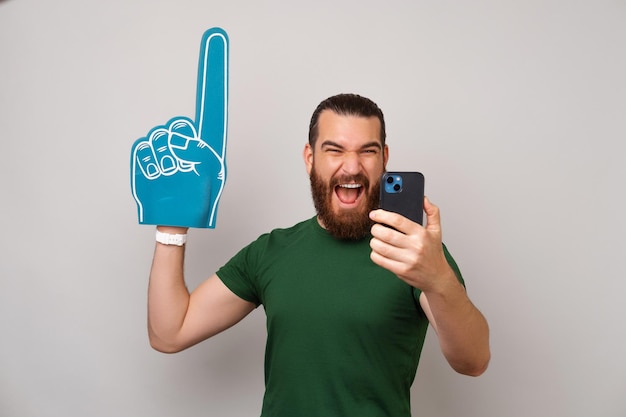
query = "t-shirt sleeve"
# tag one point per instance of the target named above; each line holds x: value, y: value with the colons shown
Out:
x: 239, y: 273
x: 453, y: 265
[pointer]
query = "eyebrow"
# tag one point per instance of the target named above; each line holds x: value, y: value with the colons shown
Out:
x: 372, y: 144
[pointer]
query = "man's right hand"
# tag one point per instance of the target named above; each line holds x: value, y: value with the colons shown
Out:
x: 178, y: 170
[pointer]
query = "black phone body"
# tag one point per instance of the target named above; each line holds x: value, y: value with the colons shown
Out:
x: 403, y: 193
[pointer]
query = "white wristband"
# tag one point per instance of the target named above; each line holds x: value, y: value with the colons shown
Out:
x: 170, y: 239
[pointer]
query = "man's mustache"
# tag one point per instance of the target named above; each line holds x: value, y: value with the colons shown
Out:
x: 347, y: 179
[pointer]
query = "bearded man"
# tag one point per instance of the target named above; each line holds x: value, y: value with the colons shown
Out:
x: 347, y: 300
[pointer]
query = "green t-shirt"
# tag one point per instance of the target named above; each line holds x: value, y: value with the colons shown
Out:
x: 344, y: 335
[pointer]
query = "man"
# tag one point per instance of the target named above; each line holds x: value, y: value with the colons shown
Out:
x: 347, y: 300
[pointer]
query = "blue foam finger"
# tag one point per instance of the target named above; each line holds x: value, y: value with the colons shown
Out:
x: 178, y: 170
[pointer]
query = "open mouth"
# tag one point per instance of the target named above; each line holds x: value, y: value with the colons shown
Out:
x: 348, y: 193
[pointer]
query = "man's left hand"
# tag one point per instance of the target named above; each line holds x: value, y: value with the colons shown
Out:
x: 411, y: 251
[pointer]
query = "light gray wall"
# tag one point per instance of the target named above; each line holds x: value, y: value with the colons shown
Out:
x: 514, y: 110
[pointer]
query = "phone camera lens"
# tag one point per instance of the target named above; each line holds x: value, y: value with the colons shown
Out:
x: 389, y: 180
x: 396, y: 187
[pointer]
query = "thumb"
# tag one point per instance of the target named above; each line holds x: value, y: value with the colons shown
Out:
x: 433, y: 222
x: 185, y: 143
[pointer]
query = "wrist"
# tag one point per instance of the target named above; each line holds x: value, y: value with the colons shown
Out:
x: 174, y: 230
x: 171, y: 239
x: 444, y: 285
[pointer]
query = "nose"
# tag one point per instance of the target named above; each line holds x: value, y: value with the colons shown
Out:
x: 351, y: 163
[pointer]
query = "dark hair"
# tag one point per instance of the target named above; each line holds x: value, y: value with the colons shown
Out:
x: 347, y: 105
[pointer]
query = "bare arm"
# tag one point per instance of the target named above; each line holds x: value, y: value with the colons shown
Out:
x: 415, y: 254
x: 462, y: 330
x: 178, y: 319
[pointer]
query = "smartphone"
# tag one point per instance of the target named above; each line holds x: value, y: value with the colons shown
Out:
x: 403, y: 193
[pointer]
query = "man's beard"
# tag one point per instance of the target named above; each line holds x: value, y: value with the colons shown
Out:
x: 345, y: 225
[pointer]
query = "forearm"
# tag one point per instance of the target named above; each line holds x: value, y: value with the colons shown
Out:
x: 461, y: 328
x: 168, y: 297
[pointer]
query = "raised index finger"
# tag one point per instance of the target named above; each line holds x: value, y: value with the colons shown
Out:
x: 212, y: 93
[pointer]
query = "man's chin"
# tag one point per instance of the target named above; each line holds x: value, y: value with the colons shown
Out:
x: 347, y: 224
x: 347, y: 210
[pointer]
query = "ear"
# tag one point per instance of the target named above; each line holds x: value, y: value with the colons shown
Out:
x: 385, y: 156
x: 307, y: 155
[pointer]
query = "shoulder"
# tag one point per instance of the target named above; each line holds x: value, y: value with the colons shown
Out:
x: 285, y: 236
x: 279, y: 239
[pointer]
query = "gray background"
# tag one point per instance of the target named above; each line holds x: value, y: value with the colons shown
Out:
x: 513, y: 110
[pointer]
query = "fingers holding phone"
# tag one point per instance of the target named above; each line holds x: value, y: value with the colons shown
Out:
x: 399, y: 241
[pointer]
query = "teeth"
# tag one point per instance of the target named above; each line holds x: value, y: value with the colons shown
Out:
x: 350, y: 185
